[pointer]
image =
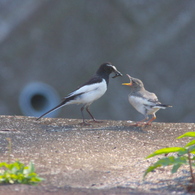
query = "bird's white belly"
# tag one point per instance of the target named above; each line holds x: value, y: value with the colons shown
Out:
x: 137, y: 103
x: 152, y: 110
x: 90, y: 96
x: 93, y: 95
x: 142, y: 105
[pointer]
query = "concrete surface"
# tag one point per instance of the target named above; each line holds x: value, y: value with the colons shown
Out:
x: 102, y: 158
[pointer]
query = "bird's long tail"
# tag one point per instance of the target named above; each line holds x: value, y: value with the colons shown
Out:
x: 63, y: 103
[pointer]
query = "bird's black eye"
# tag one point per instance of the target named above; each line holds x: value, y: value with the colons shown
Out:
x: 109, y: 67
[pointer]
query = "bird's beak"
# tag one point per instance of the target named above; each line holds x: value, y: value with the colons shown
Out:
x: 130, y: 83
x: 117, y: 73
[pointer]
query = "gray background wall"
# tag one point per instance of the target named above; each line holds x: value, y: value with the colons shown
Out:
x: 62, y: 43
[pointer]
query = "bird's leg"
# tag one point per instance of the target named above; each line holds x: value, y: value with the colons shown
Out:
x: 83, y: 123
x: 94, y: 120
x: 87, y: 109
x: 152, y: 119
x: 140, y: 123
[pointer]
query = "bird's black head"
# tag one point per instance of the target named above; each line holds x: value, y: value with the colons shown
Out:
x: 107, y: 69
x: 134, y: 83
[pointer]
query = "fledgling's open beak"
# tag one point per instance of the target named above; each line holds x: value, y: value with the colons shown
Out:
x: 117, y: 73
x: 130, y: 83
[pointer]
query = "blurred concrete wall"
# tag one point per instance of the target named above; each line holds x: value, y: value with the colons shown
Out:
x: 62, y: 43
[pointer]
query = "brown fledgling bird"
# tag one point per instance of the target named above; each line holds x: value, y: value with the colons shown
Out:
x: 143, y: 101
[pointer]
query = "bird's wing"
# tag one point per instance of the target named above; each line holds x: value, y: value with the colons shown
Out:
x: 151, y: 97
x: 91, y: 85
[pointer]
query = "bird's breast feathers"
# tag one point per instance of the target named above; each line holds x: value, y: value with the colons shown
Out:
x: 137, y: 103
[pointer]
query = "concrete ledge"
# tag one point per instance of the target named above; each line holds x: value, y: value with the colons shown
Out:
x: 103, y: 158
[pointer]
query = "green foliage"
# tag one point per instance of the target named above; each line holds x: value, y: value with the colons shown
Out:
x: 188, y: 134
x: 184, y: 156
x: 17, y: 172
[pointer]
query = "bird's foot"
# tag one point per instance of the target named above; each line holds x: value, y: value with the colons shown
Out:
x: 140, y: 124
x: 96, y: 121
x: 85, y: 123
x: 148, y: 123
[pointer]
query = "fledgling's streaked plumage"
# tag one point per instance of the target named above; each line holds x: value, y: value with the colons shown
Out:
x: 90, y: 91
x: 143, y: 101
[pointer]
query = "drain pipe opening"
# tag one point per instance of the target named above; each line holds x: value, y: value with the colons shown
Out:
x: 37, y: 98
x: 39, y: 102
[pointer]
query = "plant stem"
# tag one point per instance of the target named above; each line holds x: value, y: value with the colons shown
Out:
x: 191, y: 170
x: 9, y: 149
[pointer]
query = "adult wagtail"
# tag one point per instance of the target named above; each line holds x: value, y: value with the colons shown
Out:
x: 90, y: 91
x: 143, y: 101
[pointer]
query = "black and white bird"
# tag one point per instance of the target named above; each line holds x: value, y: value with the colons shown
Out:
x: 143, y: 101
x: 90, y: 91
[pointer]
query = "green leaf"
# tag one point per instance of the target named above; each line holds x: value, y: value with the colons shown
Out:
x: 181, y: 159
x: 31, y: 167
x: 188, y: 134
x: 161, y: 162
x: 175, y: 168
x: 17, y: 172
x: 191, y: 149
x: 182, y: 152
x: 26, y: 171
x: 190, y: 143
x: 167, y: 150
x: 4, y: 164
x: 171, y: 160
x: 151, y: 168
